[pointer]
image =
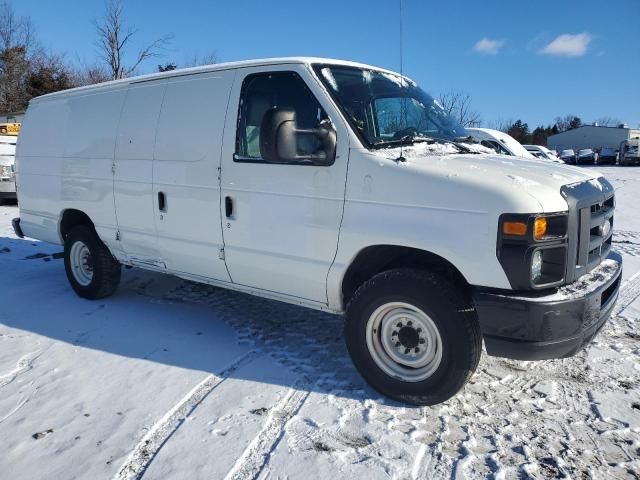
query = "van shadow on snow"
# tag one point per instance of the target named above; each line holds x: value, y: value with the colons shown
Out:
x: 164, y: 319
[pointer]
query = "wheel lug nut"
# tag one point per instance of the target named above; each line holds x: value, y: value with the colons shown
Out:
x: 417, y: 350
x: 399, y: 324
x: 406, y: 350
x: 422, y: 340
x: 409, y: 323
x: 394, y: 333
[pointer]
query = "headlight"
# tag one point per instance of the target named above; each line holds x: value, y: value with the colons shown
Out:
x: 536, y: 266
x: 532, y: 249
x: 534, y: 227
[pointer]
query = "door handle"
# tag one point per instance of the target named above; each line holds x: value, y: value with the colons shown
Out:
x: 228, y: 207
x: 162, y: 202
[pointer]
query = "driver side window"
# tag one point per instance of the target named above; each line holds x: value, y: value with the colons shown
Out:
x: 264, y: 91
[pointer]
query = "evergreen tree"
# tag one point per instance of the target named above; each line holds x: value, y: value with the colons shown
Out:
x: 520, y: 131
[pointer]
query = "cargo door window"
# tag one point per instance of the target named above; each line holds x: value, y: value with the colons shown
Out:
x: 263, y: 91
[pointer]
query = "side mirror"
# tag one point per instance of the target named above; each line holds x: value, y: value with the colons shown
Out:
x: 278, y: 139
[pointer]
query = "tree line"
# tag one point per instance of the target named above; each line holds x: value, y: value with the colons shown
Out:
x: 459, y: 106
x: 28, y: 70
x: 539, y: 135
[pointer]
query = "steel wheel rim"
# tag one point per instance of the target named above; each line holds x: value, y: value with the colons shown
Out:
x: 81, y: 263
x: 392, y: 332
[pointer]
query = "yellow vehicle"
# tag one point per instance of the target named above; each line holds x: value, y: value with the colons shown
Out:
x: 10, y: 128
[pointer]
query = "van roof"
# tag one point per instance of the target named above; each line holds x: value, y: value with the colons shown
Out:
x: 210, y: 68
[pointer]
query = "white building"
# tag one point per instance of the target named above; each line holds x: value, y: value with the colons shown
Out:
x: 592, y: 136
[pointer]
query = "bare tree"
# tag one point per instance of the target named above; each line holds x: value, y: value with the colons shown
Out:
x: 458, y: 105
x: 48, y: 73
x: 90, y: 74
x: 501, y: 124
x: 568, y: 122
x: 14, y: 30
x: 16, y: 45
x: 197, y: 60
x: 608, y: 121
x: 114, y: 39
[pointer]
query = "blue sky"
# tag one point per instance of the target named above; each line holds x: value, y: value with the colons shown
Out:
x: 532, y: 60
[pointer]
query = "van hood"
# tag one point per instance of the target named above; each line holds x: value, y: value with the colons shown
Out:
x: 539, y: 178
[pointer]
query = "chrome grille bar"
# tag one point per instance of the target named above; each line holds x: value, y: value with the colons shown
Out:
x: 591, y: 206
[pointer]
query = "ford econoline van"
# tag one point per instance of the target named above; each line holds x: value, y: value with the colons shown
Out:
x: 334, y: 185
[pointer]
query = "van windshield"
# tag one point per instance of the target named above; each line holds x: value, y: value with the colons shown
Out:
x: 386, y: 109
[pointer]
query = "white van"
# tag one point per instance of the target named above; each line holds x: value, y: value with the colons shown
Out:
x: 7, y: 167
x: 630, y: 152
x: 329, y: 184
x: 500, y: 142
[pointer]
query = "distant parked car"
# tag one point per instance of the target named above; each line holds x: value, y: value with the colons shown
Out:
x: 630, y: 152
x: 568, y: 156
x: 607, y: 155
x: 586, y: 155
x: 7, y: 167
x: 542, y: 152
x: 500, y: 142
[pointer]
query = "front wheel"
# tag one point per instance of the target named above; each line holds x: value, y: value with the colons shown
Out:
x: 91, y: 269
x: 413, y: 336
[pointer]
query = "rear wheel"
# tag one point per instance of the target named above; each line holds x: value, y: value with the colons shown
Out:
x: 413, y: 336
x: 91, y: 269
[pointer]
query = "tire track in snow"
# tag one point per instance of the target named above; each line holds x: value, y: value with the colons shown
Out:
x: 428, y: 457
x: 257, y: 454
x: 147, y: 449
x: 24, y: 364
x: 629, y: 291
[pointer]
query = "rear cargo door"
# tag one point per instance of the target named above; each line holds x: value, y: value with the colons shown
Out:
x: 133, y: 170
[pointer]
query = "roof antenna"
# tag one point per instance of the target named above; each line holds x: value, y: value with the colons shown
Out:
x: 403, y: 108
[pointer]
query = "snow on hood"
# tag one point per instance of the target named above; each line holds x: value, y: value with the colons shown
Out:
x: 538, y: 177
x: 425, y: 149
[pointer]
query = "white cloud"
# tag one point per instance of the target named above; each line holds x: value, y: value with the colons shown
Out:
x: 568, y: 45
x: 488, y: 46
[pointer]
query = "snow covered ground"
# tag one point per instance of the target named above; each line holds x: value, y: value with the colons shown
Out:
x: 172, y: 379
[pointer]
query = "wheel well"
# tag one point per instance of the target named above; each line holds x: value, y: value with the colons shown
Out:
x: 72, y: 218
x: 379, y: 258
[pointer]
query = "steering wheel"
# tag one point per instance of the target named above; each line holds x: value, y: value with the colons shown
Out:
x: 405, y: 132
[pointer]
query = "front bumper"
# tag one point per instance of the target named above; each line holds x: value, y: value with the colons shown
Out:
x: 534, y: 326
x: 586, y: 160
x: 602, y: 160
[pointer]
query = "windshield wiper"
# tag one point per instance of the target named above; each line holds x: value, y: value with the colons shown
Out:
x: 406, y: 140
x: 458, y: 142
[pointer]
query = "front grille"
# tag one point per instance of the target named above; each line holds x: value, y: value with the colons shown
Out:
x: 591, y: 208
x: 594, y: 237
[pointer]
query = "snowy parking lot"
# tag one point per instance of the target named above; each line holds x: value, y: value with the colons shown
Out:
x: 172, y: 379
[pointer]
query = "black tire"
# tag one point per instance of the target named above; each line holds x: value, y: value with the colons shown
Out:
x: 106, y: 269
x: 453, y: 316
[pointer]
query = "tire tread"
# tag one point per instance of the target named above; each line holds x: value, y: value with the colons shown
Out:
x: 441, y: 288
